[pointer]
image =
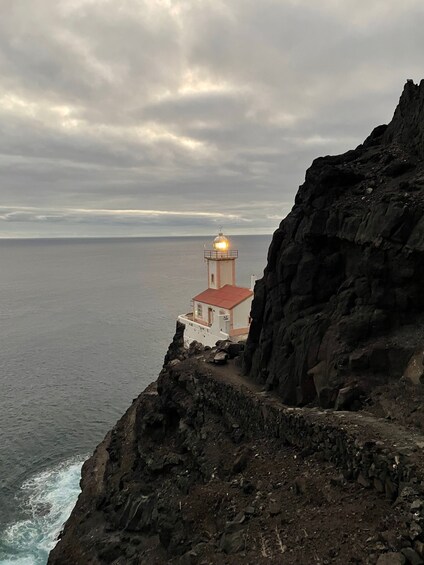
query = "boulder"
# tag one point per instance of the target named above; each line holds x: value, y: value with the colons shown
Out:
x: 348, y: 397
x: 220, y: 358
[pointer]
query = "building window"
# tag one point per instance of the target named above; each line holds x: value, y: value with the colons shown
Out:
x: 199, y: 312
x: 212, y: 278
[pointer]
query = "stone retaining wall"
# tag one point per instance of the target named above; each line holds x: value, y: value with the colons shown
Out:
x: 345, y: 439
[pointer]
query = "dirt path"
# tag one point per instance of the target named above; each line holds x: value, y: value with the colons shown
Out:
x: 386, y: 434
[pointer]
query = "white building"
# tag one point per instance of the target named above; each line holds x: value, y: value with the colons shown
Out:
x: 222, y: 311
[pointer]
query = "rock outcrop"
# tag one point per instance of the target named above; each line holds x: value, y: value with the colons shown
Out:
x: 341, y: 302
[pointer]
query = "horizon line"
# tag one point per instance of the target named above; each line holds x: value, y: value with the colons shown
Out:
x: 26, y: 238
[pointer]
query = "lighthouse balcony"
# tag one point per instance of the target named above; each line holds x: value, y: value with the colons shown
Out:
x: 217, y: 255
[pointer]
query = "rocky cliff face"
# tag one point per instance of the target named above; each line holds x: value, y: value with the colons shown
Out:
x: 341, y: 300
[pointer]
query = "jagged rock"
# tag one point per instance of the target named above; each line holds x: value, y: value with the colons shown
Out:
x: 345, y: 270
x: 348, y: 398
x: 195, y: 348
x: 138, y: 514
x: 223, y: 344
x: 220, y: 358
x: 176, y: 348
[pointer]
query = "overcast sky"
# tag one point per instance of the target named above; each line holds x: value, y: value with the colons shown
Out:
x: 172, y: 117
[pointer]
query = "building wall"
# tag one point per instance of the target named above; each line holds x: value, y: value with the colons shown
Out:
x: 227, y: 272
x: 241, y: 314
x: 204, y: 318
x: 221, y: 273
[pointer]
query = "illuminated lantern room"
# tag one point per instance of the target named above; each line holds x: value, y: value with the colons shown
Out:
x: 221, y: 243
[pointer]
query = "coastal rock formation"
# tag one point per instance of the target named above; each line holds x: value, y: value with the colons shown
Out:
x: 207, y: 469
x: 341, y: 302
x: 210, y: 466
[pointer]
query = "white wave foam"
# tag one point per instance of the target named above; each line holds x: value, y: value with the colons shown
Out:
x: 49, y: 499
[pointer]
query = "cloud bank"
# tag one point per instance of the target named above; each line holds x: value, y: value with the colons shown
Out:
x: 167, y: 117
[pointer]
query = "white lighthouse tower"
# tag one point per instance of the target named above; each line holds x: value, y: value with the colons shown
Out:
x: 222, y: 311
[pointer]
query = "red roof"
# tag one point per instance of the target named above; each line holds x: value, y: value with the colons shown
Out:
x: 227, y: 296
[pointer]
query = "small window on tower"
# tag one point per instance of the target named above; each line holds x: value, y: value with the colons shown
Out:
x: 212, y: 278
x: 199, y: 311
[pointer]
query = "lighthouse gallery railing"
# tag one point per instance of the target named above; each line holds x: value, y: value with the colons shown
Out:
x: 212, y: 254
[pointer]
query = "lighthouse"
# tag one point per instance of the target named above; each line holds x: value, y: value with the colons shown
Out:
x: 222, y: 311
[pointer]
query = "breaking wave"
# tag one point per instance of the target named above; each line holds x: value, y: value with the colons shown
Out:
x: 48, y: 499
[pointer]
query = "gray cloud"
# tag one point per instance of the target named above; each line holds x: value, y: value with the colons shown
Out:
x: 110, y: 110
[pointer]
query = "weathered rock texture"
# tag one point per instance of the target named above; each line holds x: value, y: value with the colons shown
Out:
x: 341, y: 299
x: 205, y: 468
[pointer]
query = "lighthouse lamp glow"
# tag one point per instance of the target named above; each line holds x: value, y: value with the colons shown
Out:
x: 221, y: 243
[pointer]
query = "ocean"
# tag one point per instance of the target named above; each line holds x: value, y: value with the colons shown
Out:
x: 84, y: 327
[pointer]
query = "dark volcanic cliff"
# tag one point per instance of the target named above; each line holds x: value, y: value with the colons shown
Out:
x: 341, y: 300
x: 210, y: 467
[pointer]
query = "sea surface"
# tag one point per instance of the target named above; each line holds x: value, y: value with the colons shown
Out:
x: 84, y: 327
